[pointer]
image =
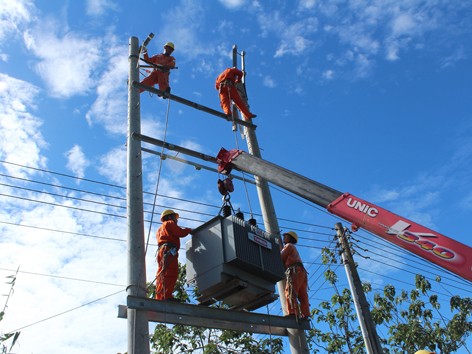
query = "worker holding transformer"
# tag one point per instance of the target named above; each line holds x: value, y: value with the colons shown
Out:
x: 226, y: 86
x: 160, y: 74
x: 168, y: 241
x: 296, y: 287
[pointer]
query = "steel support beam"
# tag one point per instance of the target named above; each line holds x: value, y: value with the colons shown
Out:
x: 193, y: 104
x: 191, y: 163
x: 210, y: 317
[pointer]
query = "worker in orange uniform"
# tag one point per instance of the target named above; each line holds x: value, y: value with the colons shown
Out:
x: 160, y: 75
x: 296, y: 287
x: 168, y: 240
x: 225, y: 84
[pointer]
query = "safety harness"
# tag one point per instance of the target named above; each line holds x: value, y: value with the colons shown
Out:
x: 171, y: 248
x: 289, y: 274
x: 226, y: 83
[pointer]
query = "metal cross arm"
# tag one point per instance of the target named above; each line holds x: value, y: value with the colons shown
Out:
x: 211, y: 317
x: 192, y: 104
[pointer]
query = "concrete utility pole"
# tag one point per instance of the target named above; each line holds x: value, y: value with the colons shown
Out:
x: 297, y: 338
x: 138, y: 327
x: 369, y: 333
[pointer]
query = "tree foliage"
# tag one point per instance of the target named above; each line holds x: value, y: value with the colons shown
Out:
x: 413, y: 318
x: 408, y: 320
x: 170, y: 339
x: 13, y: 336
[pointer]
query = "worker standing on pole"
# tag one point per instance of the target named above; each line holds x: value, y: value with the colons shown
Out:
x: 168, y: 241
x: 226, y: 86
x: 296, y: 288
x: 165, y: 63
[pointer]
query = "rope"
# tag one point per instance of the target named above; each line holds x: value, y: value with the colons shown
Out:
x: 158, y: 177
x: 244, y: 180
x: 270, y: 328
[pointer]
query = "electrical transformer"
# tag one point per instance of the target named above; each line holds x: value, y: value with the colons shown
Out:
x: 231, y: 261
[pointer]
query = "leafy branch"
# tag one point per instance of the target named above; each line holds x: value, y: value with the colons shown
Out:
x: 13, y: 335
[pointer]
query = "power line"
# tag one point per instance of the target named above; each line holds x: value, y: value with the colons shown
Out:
x: 62, y: 231
x: 109, y: 214
x: 62, y: 277
x: 64, y: 312
x: 179, y: 199
x: 123, y: 199
x: 415, y: 259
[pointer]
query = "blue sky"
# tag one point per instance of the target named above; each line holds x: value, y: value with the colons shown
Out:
x: 367, y: 97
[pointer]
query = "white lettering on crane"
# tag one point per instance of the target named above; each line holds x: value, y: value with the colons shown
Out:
x: 400, y: 226
x: 420, y: 239
x: 362, y: 207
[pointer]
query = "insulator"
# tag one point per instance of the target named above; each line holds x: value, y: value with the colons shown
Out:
x: 240, y: 215
x: 252, y: 222
x: 226, y: 210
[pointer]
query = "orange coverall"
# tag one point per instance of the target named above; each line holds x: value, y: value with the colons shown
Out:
x: 168, y: 238
x: 159, y: 77
x: 296, y: 287
x: 225, y: 86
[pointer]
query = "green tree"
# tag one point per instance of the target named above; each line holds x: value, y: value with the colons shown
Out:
x: 409, y: 317
x: 168, y: 339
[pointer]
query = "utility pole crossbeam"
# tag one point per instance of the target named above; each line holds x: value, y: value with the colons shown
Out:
x: 195, y: 165
x: 193, y: 104
x: 369, y: 333
x: 211, y: 317
x: 173, y: 147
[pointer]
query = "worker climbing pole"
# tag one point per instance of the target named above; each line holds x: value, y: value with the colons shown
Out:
x: 161, y: 65
x: 226, y: 85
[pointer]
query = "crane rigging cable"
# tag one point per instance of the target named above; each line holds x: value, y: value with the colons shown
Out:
x: 244, y: 179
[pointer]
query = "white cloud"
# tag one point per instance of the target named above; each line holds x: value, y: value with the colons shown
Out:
x: 76, y: 161
x: 307, y: 4
x: 183, y: 30
x: 20, y: 138
x: 296, y: 45
x: 328, y: 74
x: 14, y: 15
x: 49, y: 301
x: 455, y: 57
x: 294, y: 37
x: 110, y: 107
x: 392, y: 51
x: 403, y: 24
x: 66, y: 62
x: 233, y: 4
x: 415, y: 201
x: 99, y: 7
x: 113, y: 165
x: 268, y: 81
